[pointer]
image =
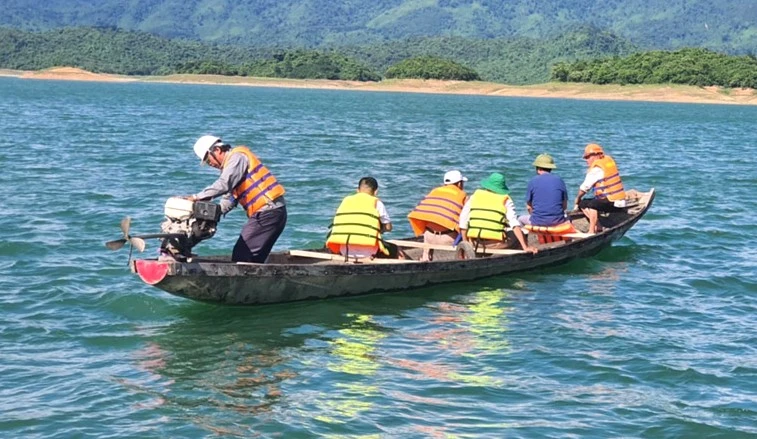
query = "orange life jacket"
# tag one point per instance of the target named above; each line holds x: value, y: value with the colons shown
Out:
x: 610, y: 186
x: 547, y: 234
x: 259, y: 187
x: 442, y: 207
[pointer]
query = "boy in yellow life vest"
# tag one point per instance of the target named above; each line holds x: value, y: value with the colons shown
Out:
x: 487, y: 214
x: 437, y: 216
x: 602, y: 177
x: 358, y: 224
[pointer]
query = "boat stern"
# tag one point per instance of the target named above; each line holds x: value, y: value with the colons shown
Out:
x: 151, y: 272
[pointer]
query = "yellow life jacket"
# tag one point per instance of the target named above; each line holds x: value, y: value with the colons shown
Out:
x: 259, y: 186
x: 442, y: 206
x: 487, y: 215
x: 356, y: 223
x: 610, y: 187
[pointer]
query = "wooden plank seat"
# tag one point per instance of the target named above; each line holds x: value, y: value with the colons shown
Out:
x: 341, y: 258
x: 450, y: 248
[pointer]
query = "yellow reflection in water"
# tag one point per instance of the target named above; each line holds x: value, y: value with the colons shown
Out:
x: 353, y: 353
x: 356, y: 347
x: 465, y: 330
x: 487, y: 321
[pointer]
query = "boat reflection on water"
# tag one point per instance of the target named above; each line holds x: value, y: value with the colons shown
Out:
x: 331, y: 365
x: 353, y: 357
x: 226, y: 370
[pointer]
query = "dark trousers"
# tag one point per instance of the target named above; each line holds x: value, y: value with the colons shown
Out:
x: 259, y: 234
x: 600, y: 204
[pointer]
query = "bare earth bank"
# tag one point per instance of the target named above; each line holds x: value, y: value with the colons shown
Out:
x: 652, y: 93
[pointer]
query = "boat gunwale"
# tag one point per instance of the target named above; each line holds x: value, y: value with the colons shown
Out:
x: 212, y: 268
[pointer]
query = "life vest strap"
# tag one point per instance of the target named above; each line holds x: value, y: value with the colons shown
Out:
x: 357, y: 225
x: 487, y: 210
x: 358, y: 213
x: 486, y: 228
x: 352, y: 234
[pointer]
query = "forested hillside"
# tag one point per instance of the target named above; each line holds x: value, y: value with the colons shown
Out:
x: 698, y: 67
x: 515, y: 61
x: 725, y: 25
x: 507, y: 60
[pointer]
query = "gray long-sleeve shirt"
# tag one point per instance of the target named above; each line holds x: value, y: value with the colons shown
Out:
x: 234, y: 171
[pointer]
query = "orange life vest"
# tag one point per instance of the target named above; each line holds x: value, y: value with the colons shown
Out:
x: 547, y: 234
x: 610, y: 186
x: 259, y: 187
x: 442, y: 207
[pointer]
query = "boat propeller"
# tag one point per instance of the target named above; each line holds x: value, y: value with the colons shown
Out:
x: 134, y: 241
x: 186, y: 223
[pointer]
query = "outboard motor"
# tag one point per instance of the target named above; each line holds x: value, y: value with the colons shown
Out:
x: 186, y: 224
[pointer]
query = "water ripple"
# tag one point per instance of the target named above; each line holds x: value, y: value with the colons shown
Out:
x: 654, y: 337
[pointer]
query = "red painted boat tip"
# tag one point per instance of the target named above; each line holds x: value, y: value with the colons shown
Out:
x: 151, y: 272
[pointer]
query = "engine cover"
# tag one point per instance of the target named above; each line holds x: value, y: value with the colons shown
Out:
x: 191, y: 221
x: 206, y: 211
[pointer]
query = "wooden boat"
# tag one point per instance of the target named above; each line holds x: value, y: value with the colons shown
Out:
x: 316, y: 274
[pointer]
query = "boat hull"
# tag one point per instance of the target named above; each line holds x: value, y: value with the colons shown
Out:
x: 221, y: 281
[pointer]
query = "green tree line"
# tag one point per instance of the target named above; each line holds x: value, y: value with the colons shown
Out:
x: 583, y: 54
x: 299, y: 64
x: 691, y: 66
x: 426, y: 67
x: 508, y: 60
x: 136, y: 53
x: 108, y: 50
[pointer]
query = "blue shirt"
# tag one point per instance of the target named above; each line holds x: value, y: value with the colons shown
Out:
x: 546, y: 193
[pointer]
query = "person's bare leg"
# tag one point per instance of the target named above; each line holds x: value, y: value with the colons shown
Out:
x: 592, y: 215
x: 428, y: 254
x: 431, y: 238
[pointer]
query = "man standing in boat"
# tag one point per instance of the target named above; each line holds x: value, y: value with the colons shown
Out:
x: 358, y: 224
x: 487, y: 214
x: 245, y: 181
x: 603, y: 177
x: 437, y: 216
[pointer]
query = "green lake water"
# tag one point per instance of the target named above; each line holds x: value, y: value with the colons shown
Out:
x: 654, y: 337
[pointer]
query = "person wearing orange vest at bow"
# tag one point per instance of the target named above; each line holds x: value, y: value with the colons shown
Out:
x: 246, y: 182
x: 437, y: 216
x: 358, y: 224
x: 602, y: 177
x: 488, y: 213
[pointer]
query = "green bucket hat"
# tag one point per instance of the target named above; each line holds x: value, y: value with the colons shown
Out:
x: 545, y: 161
x: 496, y: 183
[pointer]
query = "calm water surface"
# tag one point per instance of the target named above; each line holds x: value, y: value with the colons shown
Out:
x: 655, y: 337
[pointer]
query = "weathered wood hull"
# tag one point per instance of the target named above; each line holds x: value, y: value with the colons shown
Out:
x: 289, y: 278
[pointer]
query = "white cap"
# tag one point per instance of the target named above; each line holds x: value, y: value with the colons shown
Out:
x: 452, y: 177
x: 203, y: 145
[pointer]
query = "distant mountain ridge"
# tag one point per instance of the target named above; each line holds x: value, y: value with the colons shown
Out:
x: 724, y: 25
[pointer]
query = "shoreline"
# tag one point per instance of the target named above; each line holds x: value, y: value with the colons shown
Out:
x: 671, y: 93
